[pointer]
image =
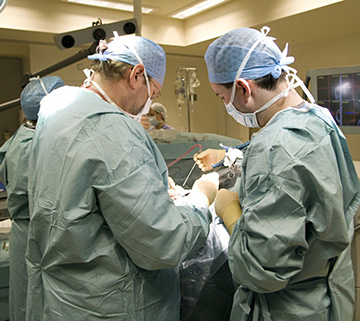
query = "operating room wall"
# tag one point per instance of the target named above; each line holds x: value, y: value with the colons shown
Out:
x: 10, y: 90
x: 333, y: 52
x: 13, y: 60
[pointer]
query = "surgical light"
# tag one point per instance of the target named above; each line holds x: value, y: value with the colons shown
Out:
x: 109, y: 5
x: 3, y: 4
x: 95, y: 33
x: 197, y: 8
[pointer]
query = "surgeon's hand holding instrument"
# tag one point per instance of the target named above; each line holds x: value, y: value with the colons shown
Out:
x: 179, y: 158
x: 227, y: 207
x: 208, y: 157
x: 226, y: 156
x: 176, y: 191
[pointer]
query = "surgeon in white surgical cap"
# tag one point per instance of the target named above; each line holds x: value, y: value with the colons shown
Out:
x: 291, y: 218
x: 156, y: 118
x: 105, y: 238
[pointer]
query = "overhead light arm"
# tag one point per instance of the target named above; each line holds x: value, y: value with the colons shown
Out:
x: 62, y: 64
x: 76, y: 38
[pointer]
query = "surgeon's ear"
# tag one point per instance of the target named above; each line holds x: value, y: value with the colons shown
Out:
x: 136, y: 75
x: 244, y: 85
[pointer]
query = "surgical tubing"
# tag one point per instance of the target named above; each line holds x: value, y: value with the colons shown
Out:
x: 179, y: 158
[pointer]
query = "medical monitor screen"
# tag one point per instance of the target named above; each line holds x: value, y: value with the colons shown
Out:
x: 340, y: 93
x: 338, y: 89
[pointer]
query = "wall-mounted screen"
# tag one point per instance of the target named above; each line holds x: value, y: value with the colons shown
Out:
x: 338, y: 89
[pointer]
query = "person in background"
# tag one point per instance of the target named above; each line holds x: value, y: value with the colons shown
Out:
x: 291, y: 218
x: 156, y: 118
x: 14, y: 171
x: 105, y: 239
x: 145, y: 122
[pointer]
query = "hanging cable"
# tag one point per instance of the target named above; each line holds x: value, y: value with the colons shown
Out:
x: 182, y: 156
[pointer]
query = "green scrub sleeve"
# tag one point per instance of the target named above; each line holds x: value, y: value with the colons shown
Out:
x: 155, y: 233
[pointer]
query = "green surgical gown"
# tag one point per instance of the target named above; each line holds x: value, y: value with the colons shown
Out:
x: 105, y: 239
x: 289, y: 252
x: 14, y: 168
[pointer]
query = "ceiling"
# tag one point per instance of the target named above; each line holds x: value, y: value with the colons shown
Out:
x: 165, y: 8
x: 162, y: 8
x: 36, y: 21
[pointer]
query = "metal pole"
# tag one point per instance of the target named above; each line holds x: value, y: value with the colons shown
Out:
x: 25, y: 80
x: 138, y: 15
x: 188, y: 97
x: 9, y: 104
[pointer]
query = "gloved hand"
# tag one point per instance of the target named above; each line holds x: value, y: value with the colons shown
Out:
x: 208, y: 157
x: 171, y: 182
x: 227, y: 207
x: 208, y: 185
x: 175, y: 191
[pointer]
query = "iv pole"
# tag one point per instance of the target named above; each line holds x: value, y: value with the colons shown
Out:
x: 189, y: 95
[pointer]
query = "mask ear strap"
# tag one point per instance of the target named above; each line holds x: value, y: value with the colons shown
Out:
x: 41, y: 83
x: 245, y: 83
x: 295, y: 81
x: 88, y: 73
x: 264, y: 31
x: 145, y: 73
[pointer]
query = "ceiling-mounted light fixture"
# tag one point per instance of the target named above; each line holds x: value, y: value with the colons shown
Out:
x: 197, y: 8
x: 110, y: 5
x: 3, y: 3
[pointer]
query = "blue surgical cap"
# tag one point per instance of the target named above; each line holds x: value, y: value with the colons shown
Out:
x: 225, y: 55
x: 34, y: 91
x: 151, y: 54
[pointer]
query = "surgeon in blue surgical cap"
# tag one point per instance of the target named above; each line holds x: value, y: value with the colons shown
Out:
x: 14, y: 170
x: 291, y: 217
x: 105, y: 238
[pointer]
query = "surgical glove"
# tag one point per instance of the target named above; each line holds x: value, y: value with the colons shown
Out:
x: 209, y: 157
x: 175, y: 191
x: 208, y: 185
x: 171, y: 182
x: 227, y: 207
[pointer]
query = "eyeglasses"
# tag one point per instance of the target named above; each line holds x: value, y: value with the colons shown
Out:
x: 158, y: 93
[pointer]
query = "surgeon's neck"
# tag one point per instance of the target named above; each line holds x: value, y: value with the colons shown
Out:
x: 291, y: 100
x: 112, y: 88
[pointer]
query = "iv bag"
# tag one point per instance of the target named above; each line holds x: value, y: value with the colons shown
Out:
x: 179, y: 88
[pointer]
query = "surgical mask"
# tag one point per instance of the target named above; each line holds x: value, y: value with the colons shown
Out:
x: 250, y: 119
x: 153, y: 121
x: 145, y: 110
